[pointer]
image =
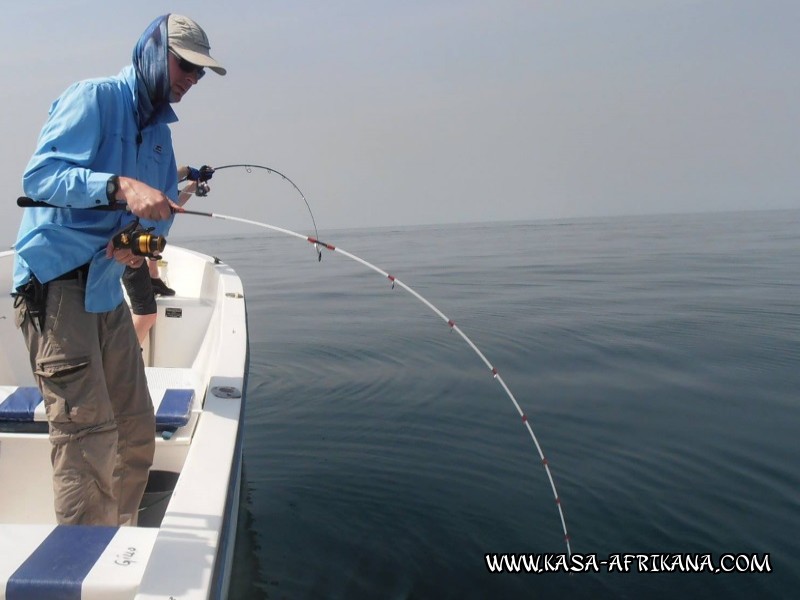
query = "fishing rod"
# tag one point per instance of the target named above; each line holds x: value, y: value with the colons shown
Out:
x: 205, y: 173
x: 432, y: 307
x: 27, y: 202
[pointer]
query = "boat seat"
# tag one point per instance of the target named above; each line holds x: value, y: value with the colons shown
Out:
x: 73, y: 561
x: 172, y: 390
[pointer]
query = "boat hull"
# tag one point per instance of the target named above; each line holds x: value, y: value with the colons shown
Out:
x: 184, y: 547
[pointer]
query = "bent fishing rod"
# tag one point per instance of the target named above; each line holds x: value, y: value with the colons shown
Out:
x: 205, y: 173
x: 27, y: 202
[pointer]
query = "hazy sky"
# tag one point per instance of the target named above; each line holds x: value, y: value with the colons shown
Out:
x: 437, y: 111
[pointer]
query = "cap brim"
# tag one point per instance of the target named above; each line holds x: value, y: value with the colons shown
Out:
x: 199, y: 59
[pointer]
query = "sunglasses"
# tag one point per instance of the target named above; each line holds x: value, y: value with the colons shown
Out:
x: 188, y: 67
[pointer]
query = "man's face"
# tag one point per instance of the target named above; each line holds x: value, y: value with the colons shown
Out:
x: 182, y: 76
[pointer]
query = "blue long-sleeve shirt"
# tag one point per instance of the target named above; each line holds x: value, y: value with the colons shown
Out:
x: 91, y: 134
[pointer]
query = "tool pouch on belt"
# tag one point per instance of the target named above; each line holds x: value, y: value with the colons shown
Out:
x: 34, y: 295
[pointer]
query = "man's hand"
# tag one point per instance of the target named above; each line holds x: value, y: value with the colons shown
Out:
x: 144, y: 201
x: 123, y: 255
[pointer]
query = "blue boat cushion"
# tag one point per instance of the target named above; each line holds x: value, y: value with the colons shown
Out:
x: 59, y: 565
x: 173, y: 406
x: 20, y: 403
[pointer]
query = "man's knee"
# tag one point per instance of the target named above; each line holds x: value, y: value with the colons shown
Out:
x: 83, y: 470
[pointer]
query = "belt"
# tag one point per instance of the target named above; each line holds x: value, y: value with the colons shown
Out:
x: 76, y: 273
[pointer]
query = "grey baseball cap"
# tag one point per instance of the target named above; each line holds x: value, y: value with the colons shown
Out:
x: 188, y: 40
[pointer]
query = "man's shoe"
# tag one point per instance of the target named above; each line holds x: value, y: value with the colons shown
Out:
x: 160, y: 288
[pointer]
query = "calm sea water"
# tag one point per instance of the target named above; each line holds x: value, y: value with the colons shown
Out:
x: 658, y: 360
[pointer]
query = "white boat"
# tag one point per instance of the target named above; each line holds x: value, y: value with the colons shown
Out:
x: 196, y: 364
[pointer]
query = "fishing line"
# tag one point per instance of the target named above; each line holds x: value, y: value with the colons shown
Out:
x: 445, y: 318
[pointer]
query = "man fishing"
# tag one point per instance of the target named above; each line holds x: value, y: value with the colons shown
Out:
x: 106, y: 140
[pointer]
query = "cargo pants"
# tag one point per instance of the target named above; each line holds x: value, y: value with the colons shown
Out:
x: 89, y: 369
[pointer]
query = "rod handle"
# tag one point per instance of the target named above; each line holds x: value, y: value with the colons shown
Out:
x: 25, y: 202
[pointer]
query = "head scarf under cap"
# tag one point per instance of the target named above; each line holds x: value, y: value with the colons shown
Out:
x: 152, y: 70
